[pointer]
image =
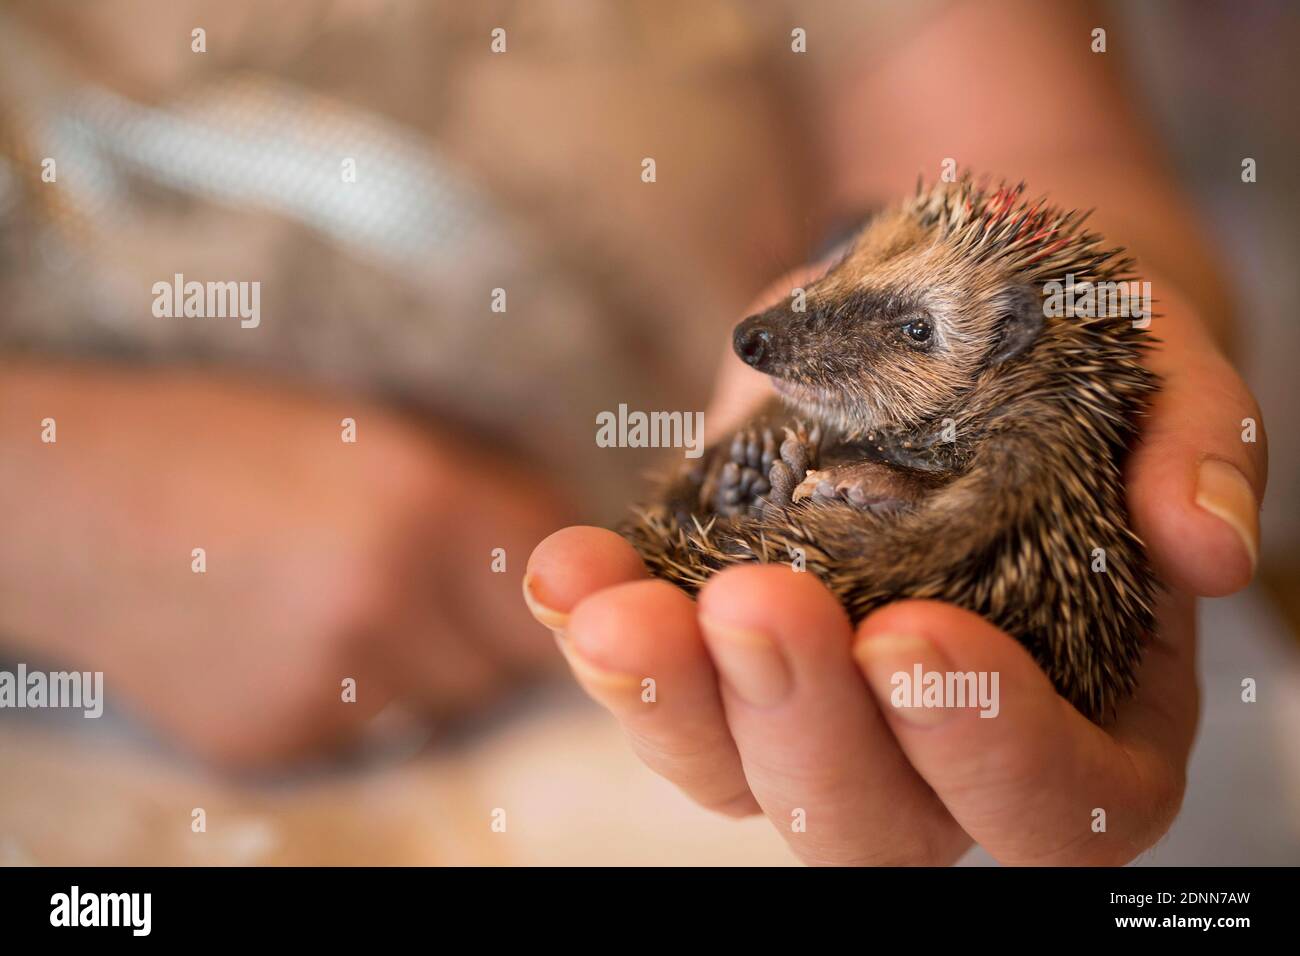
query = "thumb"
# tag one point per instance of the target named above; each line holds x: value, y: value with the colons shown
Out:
x: 1196, y: 481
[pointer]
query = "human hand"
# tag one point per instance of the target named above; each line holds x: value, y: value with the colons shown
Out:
x: 766, y: 700
x: 325, y: 560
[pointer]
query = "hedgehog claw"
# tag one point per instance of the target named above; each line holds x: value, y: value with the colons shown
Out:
x: 794, y: 454
x: 762, y: 470
x: 782, y: 481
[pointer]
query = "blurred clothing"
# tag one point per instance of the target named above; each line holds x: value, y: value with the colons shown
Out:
x: 474, y: 171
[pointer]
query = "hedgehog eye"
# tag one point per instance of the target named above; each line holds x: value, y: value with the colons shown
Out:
x: 919, y: 331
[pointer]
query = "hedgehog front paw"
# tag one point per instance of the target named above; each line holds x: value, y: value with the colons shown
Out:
x: 799, y: 452
x: 743, y: 478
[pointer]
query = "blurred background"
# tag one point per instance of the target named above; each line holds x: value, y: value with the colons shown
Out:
x: 478, y: 170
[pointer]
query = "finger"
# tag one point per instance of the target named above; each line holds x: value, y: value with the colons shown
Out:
x: 636, y: 648
x: 1195, y: 482
x: 817, y: 754
x: 573, y: 563
x: 1033, y: 782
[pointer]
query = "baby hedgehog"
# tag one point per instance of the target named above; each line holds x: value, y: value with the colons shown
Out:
x: 943, y: 432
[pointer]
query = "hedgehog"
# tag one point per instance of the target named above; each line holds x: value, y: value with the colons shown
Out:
x: 941, y: 430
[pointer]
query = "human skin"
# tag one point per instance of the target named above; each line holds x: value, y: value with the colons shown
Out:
x: 767, y: 700
x: 325, y: 560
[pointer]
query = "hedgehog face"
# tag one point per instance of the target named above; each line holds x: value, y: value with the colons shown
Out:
x: 897, y: 334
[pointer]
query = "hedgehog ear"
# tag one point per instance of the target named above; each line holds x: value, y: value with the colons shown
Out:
x: 1020, y: 320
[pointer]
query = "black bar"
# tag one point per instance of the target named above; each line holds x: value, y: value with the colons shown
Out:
x: 370, y: 905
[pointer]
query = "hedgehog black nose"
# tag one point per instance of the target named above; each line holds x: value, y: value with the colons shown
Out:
x: 752, y: 342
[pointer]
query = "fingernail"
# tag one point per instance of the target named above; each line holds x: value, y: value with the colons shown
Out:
x: 1223, y: 491
x: 591, y: 675
x: 749, y: 662
x: 555, y: 620
x: 895, y: 666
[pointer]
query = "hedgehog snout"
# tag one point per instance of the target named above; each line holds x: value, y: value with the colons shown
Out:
x: 753, y: 342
